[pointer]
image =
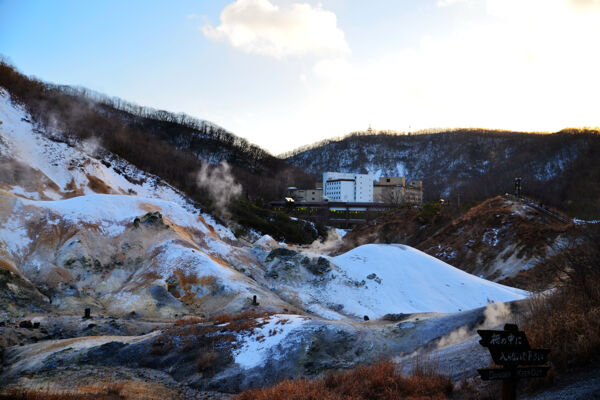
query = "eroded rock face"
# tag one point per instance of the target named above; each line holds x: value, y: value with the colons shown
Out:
x: 244, y: 353
x: 281, y: 253
x: 286, y: 264
x: 18, y: 295
x: 157, y: 269
x: 321, y: 267
x: 151, y: 219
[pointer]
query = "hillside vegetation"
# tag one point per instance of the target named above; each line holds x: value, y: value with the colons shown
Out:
x: 175, y: 147
x: 501, y: 239
x: 464, y: 165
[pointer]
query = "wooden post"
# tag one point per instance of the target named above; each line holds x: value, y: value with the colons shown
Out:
x: 509, y: 389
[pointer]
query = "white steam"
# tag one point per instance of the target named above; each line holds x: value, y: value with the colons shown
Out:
x: 456, y: 336
x: 220, y: 185
x: 494, y: 314
x: 333, y: 242
x: 91, y: 146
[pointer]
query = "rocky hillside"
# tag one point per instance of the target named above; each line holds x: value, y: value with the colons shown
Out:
x: 172, y: 291
x: 172, y: 146
x: 473, y: 164
x: 501, y: 239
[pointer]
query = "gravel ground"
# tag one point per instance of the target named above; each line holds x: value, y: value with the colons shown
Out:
x: 582, y: 385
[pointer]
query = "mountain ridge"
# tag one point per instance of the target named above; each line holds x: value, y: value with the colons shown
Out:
x: 175, y: 145
x: 473, y: 165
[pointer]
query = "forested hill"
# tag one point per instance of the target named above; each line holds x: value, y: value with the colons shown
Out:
x: 560, y: 169
x: 172, y: 146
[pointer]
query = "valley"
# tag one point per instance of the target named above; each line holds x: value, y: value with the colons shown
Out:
x: 183, y: 307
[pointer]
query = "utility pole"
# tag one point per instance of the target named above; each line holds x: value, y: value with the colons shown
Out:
x: 518, y: 187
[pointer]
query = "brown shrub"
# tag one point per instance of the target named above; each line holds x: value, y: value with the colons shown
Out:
x: 208, y: 280
x: 568, y: 320
x: 119, y: 390
x: 102, y: 392
x: 377, y: 381
x: 210, y: 343
x: 206, y: 360
x: 186, y: 278
x: 246, y: 315
x: 162, y: 345
x: 188, y: 321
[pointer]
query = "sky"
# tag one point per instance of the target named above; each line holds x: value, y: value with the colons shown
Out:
x: 284, y: 73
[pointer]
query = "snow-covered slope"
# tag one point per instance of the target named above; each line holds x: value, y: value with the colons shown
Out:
x: 91, y: 229
x: 82, y: 228
x: 379, y: 279
x: 401, y: 279
x: 125, y: 253
x: 46, y: 166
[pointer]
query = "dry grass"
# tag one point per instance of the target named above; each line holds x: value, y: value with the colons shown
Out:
x: 188, y: 321
x: 218, y: 260
x: 568, y: 321
x: 377, y: 381
x: 206, y: 360
x: 244, y: 316
x: 123, y: 390
x: 567, y: 327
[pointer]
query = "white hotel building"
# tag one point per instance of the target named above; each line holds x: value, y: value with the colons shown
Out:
x: 347, y: 187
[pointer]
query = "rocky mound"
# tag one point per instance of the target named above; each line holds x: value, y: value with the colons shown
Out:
x: 499, y: 239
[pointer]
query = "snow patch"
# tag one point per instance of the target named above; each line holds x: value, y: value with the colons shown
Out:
x: 270, y: 340
x: 174, y: 257
x: 582, y: 221
x: 15, y: 236
x: 20, y: 191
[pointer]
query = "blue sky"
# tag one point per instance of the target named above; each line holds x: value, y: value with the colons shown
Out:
x: 285, y: 73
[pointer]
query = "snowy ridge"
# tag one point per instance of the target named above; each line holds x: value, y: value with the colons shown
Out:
x: 73, y: 169
x: 114, y: 212
x: 408, y: 281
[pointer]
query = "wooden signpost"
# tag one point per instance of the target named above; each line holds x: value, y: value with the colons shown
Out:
x: 510, y: 349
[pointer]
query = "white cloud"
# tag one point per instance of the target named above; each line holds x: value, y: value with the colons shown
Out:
x: 446, y: 3
x: 338, y: 69
x: 525, y: 65
x: 525, y: 8
x: 507, y: 74
x: 260, y: 27
x: 586, y: 4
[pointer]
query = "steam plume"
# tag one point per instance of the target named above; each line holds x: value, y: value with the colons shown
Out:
x: 494, y: 313
x: 220, y: 185
x: 333, y: 242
